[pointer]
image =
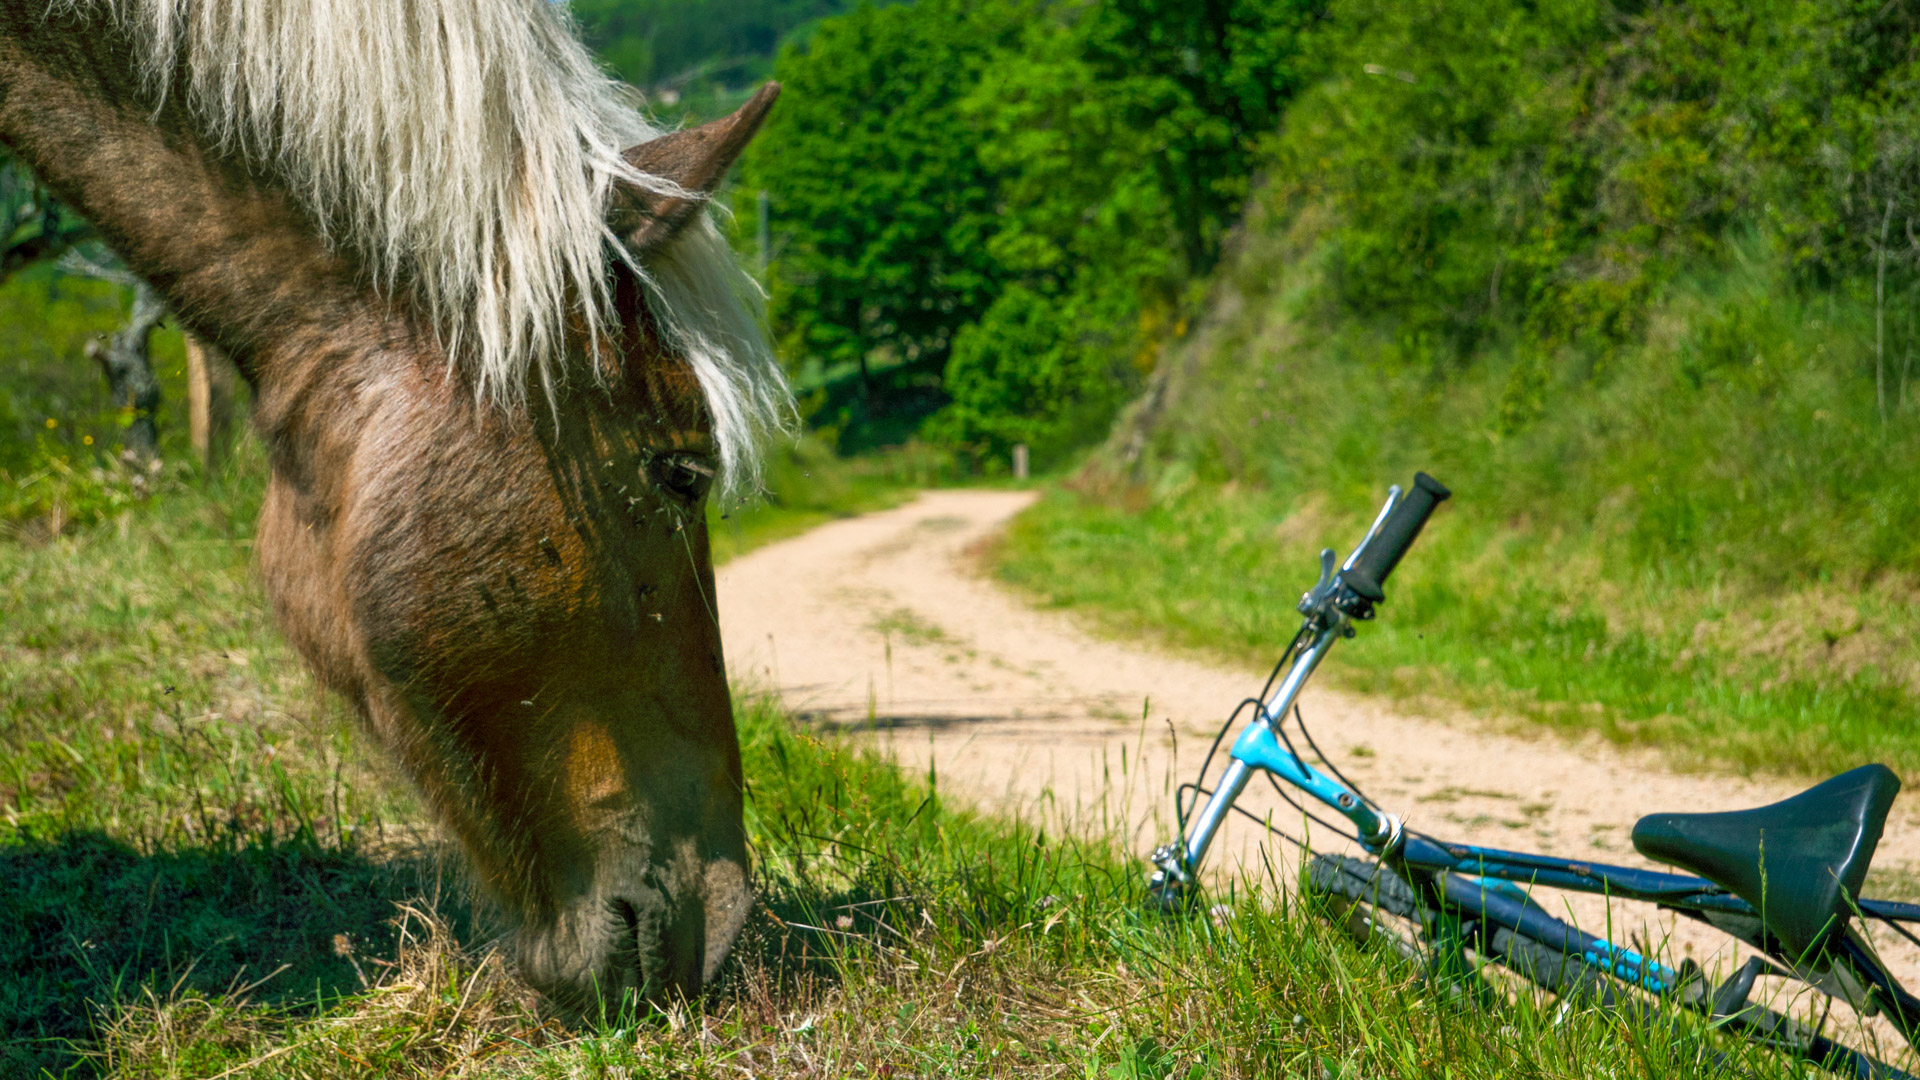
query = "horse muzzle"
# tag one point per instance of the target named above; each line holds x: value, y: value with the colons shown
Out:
x: 645, y: 939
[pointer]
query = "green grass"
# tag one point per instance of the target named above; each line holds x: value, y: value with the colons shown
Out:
x: 1703, y: 542
x: 1498, y: 621
x: 58, y: 429
x: 206, y: 870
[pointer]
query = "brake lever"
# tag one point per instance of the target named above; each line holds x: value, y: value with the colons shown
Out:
x: 1313, y: 599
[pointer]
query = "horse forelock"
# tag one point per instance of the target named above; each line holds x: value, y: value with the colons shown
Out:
x: 465, y: 150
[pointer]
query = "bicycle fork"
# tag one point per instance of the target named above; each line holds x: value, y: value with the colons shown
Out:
x: 1344, y: 595
x: 1258, y: 747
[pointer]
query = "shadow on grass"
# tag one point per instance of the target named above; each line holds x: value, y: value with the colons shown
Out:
x: 853, y: 721
x: 88, y: 923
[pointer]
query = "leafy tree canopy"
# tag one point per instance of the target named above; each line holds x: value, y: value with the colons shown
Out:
x: 1010, y: 196
x: 695, y: 56
x: 884, y: 210
x: 33, y: 224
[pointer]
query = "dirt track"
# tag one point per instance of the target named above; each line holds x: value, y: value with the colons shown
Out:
x: 885, y: 623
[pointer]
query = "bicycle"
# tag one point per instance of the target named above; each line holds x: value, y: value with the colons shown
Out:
x: 1785, y: 878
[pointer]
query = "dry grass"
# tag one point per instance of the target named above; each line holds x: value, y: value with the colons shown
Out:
x: 206, y: 871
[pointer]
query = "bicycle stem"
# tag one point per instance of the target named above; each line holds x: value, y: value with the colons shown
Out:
x: 1257, y: 747
x: 1342, y: 597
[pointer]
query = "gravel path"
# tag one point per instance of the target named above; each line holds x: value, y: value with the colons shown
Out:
x: 884, y: 624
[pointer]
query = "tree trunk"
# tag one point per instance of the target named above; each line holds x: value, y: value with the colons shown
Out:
x: 126, y: 361
x: 209, y: 401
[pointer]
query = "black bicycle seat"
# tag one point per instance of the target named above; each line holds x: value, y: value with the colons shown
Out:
x: 1796, y: 861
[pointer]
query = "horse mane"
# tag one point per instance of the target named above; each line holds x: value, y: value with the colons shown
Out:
x: 465, y: 150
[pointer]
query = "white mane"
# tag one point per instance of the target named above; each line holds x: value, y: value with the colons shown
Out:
x: 466, y: 150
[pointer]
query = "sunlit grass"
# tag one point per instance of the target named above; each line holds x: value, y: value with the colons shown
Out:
x: 1715, y: 678
x: 1703, y: 543
x: 205, y: 870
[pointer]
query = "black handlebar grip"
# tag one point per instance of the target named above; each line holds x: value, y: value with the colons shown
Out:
x: 1397, y: 533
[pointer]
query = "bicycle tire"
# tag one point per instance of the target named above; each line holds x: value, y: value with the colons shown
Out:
x: 1354, y: 889
x: 1573, y: 980
x: 1357, y: 890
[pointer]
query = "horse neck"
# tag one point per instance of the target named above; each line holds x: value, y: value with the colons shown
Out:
x: 234, y: 259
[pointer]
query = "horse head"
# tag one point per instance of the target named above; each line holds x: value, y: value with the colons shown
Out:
x: 496, y: 365
x: 534, y: 602
x: 633, y: 767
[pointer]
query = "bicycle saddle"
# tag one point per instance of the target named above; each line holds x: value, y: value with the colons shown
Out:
x: 1796, y: 861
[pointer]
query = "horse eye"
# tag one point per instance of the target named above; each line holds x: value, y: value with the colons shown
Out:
x: 686, y: 475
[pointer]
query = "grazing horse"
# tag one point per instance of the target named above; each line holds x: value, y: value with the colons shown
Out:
x: 499, y: 353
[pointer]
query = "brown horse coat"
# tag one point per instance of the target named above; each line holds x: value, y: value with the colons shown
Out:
x: 517, y: 600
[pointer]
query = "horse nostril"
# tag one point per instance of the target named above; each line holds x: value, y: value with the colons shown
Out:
x: 626, y: 969
x: 629, y: 939
x: 626, y: 946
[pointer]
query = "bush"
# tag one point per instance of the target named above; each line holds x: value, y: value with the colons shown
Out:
x: 1010, y: 197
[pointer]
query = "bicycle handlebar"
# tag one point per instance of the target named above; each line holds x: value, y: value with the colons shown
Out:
x: 1382, y: 553
x: 1329, y: 608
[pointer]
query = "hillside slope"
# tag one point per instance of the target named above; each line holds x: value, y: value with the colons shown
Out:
x: 1640, y: 288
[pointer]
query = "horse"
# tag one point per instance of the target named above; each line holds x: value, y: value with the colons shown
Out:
x: 500, y: 357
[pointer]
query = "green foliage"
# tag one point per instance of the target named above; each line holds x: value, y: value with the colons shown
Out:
x: 1008, y: 199
x: 695, y: 58
x: 1199, y: 82
x: 60, y: 432
x: 56, y: 492
x: 1710, y: 548
x: 1550, y: 166
x: 34, y: 226
x: 657, y: 42
x: 884, y: 208
x: 1016, y: 376
x: 1641, y: 286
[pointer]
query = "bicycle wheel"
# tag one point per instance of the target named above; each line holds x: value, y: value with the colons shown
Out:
x: 1553, y: 968
x: 1369, y: 901
x: 1377, y: 907
x: 1568, y: 977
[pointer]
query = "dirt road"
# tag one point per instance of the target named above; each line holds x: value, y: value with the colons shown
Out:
x: 884, y: 623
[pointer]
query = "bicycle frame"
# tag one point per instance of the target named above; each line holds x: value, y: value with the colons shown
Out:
x: 1466, y: 882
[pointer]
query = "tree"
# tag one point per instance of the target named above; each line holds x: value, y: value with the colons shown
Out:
x: 36, y: 226
x: 1203, y: 79
x: 880, y: 203
x: 1038, y: 179
x: 1085, y: 246
x: 674, y: 44
x: 33, y: 224
x: 126, y: 356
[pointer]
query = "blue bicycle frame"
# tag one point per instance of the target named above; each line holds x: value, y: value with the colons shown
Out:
x: 1478, y: 882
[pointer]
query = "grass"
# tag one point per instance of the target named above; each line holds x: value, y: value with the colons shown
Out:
x: 1712, y: 678
x: 207, y: 871
x: 1702, y: 542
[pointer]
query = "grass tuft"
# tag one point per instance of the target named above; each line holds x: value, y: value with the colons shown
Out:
x: 207, y: 871
x: 1720, y: 566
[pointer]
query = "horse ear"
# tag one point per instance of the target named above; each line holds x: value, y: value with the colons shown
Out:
x: 697, y: 159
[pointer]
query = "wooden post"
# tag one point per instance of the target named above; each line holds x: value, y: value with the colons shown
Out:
x: 1019, y: 461
x: 209, y: 401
